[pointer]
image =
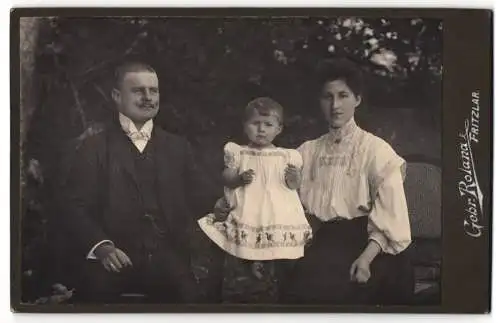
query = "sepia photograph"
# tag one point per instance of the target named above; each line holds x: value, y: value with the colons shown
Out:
x: 286, y: 160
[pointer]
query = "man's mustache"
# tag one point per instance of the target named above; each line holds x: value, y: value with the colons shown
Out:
x: 147, y: 105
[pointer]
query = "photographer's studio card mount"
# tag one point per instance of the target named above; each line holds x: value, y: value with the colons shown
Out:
x: 123, y: 121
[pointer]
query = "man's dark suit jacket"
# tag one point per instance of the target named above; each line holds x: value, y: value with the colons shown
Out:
x: 101, y: 200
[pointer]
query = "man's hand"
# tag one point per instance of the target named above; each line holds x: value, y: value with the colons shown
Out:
x: 112, y: 258
x: 221, y: 210
x: 247, y: 176
x: 292, y: 176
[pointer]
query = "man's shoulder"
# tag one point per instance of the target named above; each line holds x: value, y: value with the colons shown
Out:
x: 170, y: 137
x: 98, y: 130
x: 91, y: 136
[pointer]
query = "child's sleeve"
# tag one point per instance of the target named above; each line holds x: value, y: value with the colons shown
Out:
x: 295, y: 158
x: 232, y: 155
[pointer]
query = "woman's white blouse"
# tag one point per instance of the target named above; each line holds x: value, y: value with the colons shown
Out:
x: 357, y: 174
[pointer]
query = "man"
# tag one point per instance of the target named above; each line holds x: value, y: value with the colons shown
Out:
x: 129, y: 199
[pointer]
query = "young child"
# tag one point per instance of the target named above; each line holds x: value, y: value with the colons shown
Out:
x: 267, y: 221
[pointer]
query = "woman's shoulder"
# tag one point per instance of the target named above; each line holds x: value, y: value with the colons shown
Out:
x: 308, y: 144
x: 375, y: 144
x: 379, y: 152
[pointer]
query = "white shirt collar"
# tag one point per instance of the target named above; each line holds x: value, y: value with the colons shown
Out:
x: 130, y: 129
x: 139, y: 138
x: 343, y: 133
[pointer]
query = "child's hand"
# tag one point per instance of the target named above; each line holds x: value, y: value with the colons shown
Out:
x: 292, y: 176
x: 247, y: 177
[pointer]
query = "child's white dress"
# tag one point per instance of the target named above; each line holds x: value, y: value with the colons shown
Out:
x: 268, y: 221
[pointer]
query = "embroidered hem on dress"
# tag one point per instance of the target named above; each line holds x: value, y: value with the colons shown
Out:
x: 257, y: 243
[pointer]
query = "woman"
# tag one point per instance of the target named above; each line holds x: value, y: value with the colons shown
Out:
x: 352, y: 187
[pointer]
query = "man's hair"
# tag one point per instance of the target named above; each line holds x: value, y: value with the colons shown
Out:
x: 263, y: 106
x: 130, y: 67
x: 340, y: 69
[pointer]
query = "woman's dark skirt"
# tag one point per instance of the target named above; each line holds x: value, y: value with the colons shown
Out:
x: 322, y: 275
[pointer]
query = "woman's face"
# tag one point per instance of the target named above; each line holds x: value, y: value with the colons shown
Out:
x: 338, y: 103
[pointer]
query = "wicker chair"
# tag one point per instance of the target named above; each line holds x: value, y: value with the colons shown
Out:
x: 423, y: 194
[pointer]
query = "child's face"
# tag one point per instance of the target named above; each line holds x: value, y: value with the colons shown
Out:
x: 138, y: 97
x: 261, y: 130
x: 338, y: 103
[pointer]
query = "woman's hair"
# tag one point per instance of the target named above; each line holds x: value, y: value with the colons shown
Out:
x: 340, y: 69
x: 263, y: 106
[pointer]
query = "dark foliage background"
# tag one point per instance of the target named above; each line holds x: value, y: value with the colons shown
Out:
x: 209, y: 69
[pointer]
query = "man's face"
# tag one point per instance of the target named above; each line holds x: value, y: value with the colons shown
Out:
x: 138, y: 96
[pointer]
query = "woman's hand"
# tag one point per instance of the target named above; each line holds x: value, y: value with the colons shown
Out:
x: 360, y: 270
